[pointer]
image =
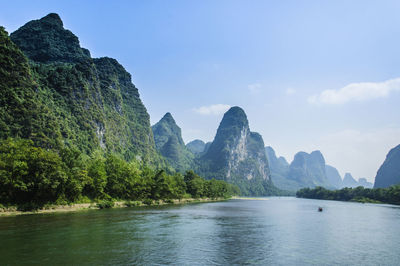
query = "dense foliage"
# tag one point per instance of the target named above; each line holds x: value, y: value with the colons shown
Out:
x: 62, y: 96
x: 386, y: 195
x: 32, y: 176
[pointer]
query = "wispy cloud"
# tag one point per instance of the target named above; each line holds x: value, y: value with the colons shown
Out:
x: 254, y: 88
x: 215, y: 109
x: 357, y: 92
x: 290, y: 91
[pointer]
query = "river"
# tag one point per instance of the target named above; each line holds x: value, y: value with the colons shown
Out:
x: 272, y: 231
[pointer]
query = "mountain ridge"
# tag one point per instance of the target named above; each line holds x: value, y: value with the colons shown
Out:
x: 92, y: 101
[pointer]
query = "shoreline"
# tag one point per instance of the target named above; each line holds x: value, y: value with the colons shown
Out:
x: 10, y: 212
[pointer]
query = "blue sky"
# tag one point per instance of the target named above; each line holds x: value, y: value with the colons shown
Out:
x: 309, y: 74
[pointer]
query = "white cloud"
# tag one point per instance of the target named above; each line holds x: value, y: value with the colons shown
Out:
x: 254, y: 88
x: 290, y: 91
x: 357, y: 92
x: 215, y: 109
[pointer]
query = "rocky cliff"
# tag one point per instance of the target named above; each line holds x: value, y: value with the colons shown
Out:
x: 279, y: 171
x: 196, y: 146
x: 309, y: 170
x: 80, y: 101
x: 364, y: 182
x: 237, y: 155
x: 168, y: 140
x: 333, y: 176
x: 349, y: 181
x: 389, y: 172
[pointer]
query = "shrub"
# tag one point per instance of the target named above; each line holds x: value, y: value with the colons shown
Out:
x: 148, y: 201
x: 105, y: 204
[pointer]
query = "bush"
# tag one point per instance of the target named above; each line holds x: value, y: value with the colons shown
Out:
x: 148, y: 201
x: 132, y: 203
x: 29, y: 206
x: 168, y: 201
x: 105, y: 204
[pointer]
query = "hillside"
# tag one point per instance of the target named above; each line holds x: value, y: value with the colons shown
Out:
x: 168, y: 140
x: 81, y: 101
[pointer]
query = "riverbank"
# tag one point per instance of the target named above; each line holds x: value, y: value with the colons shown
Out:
x: 12, y: 211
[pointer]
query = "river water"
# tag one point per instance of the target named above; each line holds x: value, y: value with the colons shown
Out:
x: 272, y: 231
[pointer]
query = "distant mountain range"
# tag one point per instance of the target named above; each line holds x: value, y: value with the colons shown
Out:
x: 308, y: 170
x: 235, y: 155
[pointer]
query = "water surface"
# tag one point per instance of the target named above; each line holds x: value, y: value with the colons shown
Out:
x: 277, y: 231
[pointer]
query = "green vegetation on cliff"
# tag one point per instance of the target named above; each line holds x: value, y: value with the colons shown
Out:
x: 90, y: 104
x: 169, y: 142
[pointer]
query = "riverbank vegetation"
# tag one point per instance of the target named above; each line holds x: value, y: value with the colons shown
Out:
x: 31, y: 177
x: 389, y: 195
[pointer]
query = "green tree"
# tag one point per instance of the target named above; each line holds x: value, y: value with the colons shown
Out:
x: 29, y: 174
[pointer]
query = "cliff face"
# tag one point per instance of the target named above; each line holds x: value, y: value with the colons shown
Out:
x: 168, y: 139
x: 364, y: 182
x: 92, y: 102
x: 279, y: 171
x: 389, y: 172
x: 333, y: 176
x: 237, y: 155
x: 309, y: 170
x: 196, y: 146
x: 349, y: 181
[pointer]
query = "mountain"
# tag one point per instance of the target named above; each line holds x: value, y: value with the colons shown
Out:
x: 21, y: 112
x: 389, y: 172
x: 363, y: 182
x: 168, y: 140
x: 237, y: 155
x: 196, y: 146
x: 61, y: 96
x: 333, y: 176
x: 46, y: 41
x: 308, y: 170
x: 207, y: 146
x: 349, y: 181
x: 279, y: 171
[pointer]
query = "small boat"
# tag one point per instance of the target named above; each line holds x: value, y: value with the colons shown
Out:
x: 320, y: 209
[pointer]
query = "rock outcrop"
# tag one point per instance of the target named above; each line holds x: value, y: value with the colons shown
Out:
x: 169, y: 142
x: 389, y: 172
x: 237, y: 155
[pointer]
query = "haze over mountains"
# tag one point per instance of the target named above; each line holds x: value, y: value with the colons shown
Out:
x: 308, y: 170
x: 54, y: 93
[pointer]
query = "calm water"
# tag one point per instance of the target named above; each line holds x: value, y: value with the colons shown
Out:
x: 277, y: 231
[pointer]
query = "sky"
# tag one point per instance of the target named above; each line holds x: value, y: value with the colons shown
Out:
x: 310, y: 75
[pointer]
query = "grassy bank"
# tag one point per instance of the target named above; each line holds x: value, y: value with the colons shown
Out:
x: 12, y: 211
